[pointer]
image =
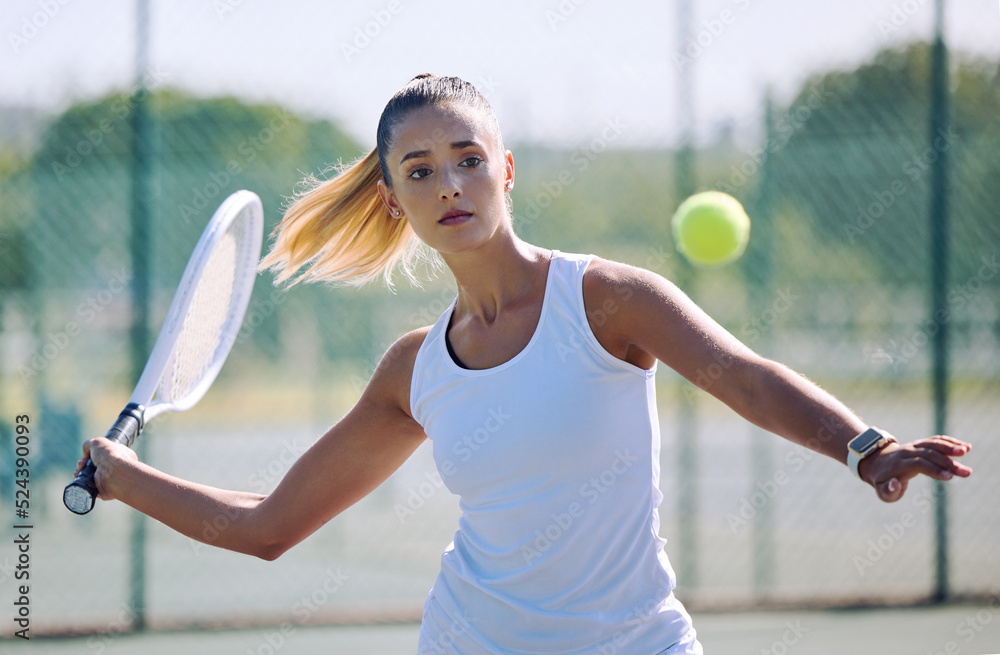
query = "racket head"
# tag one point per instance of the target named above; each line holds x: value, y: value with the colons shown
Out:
x: 207, y: 310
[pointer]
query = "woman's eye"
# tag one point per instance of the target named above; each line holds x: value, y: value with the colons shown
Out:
x: 420, y: 172
x: 472, y: 162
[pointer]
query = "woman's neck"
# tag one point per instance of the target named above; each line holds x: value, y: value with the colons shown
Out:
x: 502, y: 272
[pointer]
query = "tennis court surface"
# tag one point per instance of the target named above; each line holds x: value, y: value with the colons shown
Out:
x: 949, y: 630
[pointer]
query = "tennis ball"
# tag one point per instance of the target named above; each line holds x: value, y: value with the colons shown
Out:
x: 711, y: 228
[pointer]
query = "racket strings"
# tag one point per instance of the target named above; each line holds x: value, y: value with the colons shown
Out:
x: 212, y: 314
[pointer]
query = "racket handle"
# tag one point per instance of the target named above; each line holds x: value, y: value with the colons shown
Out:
x: 80, y: 494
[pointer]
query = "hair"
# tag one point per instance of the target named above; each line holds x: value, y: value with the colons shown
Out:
x: 339, y: 230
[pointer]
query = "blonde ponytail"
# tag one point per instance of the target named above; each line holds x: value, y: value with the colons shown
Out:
x: 338, y: 230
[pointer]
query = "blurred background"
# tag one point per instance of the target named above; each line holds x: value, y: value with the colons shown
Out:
x: 862, y: 136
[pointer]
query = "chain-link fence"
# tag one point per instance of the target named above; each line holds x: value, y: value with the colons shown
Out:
x: 837, y: 282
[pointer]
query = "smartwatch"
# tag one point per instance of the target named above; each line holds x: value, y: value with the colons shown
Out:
x: 864, y: 445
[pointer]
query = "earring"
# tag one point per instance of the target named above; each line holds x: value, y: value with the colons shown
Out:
x: 397, y: 212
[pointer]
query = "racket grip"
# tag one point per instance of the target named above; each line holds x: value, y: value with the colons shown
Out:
x: 80, y: 494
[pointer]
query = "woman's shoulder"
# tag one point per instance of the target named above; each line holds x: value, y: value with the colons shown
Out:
x: 394, y: 373
x: 619, y: 300
x: 401, y: 355
x: 605, y: 277
x: 608, y: 283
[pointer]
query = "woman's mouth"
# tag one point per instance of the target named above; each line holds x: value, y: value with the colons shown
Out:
x: 455, y: 217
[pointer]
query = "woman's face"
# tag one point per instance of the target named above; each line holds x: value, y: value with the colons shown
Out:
x: 449, y: 178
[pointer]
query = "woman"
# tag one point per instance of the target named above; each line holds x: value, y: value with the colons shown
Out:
x: 536, y: 388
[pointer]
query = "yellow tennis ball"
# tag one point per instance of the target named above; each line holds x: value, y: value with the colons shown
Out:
x: 711, y: 228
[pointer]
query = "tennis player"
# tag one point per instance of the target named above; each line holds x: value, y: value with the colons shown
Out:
x: 536, y: 387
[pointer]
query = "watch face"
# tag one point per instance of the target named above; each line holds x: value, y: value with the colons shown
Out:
x: 865, y: 441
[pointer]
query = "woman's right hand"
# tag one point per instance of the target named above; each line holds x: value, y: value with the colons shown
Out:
x: 107, y: 456
x: 351, y: 460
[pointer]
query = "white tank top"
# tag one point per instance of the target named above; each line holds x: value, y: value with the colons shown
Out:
x: 555, y: 457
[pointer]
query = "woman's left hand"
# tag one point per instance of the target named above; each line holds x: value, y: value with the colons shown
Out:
x: 890, y: 469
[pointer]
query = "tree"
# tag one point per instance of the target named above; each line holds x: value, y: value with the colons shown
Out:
x: 854, y: 151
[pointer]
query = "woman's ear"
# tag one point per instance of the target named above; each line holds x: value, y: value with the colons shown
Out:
x: 508, y: 183
x: 389, y: 200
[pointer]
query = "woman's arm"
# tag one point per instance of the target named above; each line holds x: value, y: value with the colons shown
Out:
x: 644, y: 317
x: 348, y: 462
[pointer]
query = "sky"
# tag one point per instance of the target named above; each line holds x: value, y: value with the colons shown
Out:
x: 556, y: 71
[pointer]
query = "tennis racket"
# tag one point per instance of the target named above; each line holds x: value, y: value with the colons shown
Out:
x: 199, y: 330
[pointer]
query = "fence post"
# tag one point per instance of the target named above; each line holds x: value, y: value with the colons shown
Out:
x: 140, y: 254
x: 939, y: 284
